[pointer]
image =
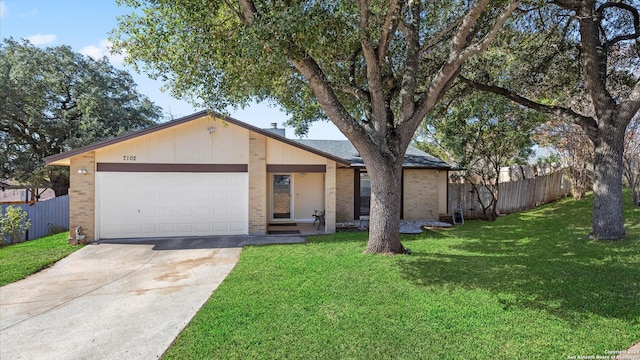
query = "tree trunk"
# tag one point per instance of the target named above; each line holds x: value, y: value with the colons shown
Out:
x: 60, y: 184
x: 608, y: 222
x: 384, y: 221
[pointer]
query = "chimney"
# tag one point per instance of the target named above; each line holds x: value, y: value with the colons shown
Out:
x: 275, y: 130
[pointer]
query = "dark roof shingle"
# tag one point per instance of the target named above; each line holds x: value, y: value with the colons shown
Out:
x: 414, y: 157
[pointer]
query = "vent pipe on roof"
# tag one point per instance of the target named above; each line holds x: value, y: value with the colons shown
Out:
x: 275, y: 130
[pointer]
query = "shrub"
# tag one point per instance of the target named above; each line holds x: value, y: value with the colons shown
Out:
x: 14, y: 223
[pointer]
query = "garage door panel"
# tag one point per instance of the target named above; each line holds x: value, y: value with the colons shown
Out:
x: 167, y: 228
x: 171, y: 204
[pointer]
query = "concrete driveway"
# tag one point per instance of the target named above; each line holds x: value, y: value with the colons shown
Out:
x: 116, y: 300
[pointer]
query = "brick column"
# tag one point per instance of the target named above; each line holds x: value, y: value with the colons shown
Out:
x: 257, y: 184
x: 82, y: 197
x: 330, y: 197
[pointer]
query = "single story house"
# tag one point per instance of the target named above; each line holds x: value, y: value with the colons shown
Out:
x: 207, y: 174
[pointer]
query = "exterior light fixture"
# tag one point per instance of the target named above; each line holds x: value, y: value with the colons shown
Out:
x: 82, y: 171
x: 211, y: 130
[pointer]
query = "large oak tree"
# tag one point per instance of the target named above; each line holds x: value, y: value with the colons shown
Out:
x: 581, y: 65
x: 373, y: 68
x: 53, y: 100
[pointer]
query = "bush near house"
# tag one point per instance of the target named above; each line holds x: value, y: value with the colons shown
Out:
x: 21, y: 260
x: 528, y: 286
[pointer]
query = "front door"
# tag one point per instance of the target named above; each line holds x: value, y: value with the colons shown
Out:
x: 281, y: 197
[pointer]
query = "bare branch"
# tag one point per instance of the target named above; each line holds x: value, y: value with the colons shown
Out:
x: 636, y: 22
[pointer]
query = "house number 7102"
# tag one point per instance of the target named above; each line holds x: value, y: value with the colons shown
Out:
x: 129, y: 158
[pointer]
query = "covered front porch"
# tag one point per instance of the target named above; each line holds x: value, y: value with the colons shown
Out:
x: 297, y: 200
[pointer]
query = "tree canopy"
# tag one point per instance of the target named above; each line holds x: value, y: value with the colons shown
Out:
x: 54, y: 100
x: 374, y: 68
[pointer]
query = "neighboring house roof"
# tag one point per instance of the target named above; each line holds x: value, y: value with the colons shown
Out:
x: 341, y: 151
x: 414, y: 157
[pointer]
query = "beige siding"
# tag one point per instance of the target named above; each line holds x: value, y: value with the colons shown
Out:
x: 189, y: 143
x: 344, y: 195
x: 82, y: 196
x: 308, y: 194
x: 421, y: 194
x: 284, y: 154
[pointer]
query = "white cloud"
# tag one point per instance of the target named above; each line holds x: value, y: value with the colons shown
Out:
x: 41, y: 39
x: 102, y: 49
x: 3, y: 9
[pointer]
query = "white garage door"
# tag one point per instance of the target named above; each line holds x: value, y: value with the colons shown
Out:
x: 171, y: 204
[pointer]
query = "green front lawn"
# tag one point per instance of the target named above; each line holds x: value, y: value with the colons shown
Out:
x: 21, y: 260
x: 528, y: 286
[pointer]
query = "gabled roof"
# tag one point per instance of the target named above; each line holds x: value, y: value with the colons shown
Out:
x: 414, y: 157
x: 341, y: 151
x: 69, y: 154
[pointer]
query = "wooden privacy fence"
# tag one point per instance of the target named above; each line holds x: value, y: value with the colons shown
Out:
x: 45, y: 215
x: 513, y: 196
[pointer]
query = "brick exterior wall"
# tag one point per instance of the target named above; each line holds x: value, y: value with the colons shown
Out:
x: 330, y: 197
x: 82, y: 195
x: 258, y: 213
x: 421, y: 194
x: 344, y: 195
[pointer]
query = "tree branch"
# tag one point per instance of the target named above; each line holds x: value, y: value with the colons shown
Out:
x: 248, y: 9
x: 587, y: 123
x: 388, y: 28
x: 374, y: 73
x: 459, y: 52
x: 327, y: 98
x: 636, y: 22
x: 460, y: 39
x: 631, y: 106
x: 238, y: 13
x: 410, y: 71
x: 488, y: 38
x: 440, y: 35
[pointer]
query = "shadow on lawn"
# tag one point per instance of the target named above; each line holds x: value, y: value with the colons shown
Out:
x: 527, y: 261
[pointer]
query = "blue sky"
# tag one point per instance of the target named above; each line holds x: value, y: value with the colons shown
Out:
x: 84, y: 25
